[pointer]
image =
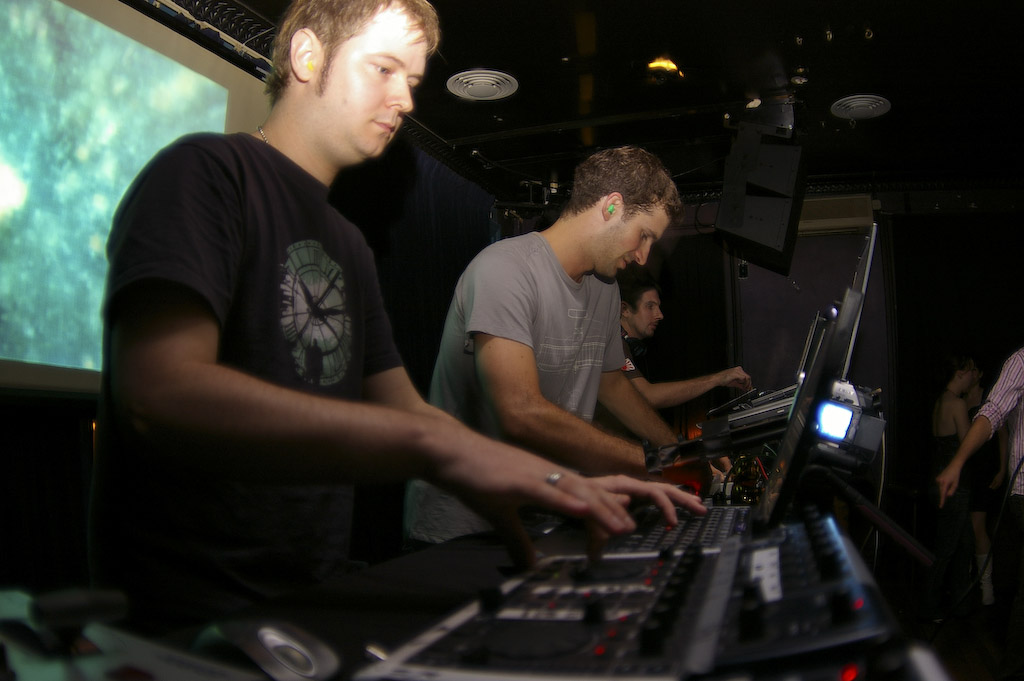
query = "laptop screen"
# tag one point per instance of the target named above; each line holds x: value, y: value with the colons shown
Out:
x: 801, y: 435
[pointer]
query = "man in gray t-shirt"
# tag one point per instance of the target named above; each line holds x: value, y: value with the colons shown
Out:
x: 531, y: 341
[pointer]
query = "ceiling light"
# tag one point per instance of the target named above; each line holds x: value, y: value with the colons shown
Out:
x: 482, y: 85
x: 665, y: 65
x: 859, y: 107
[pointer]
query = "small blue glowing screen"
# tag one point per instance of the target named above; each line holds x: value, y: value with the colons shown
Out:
x: 834, y: 420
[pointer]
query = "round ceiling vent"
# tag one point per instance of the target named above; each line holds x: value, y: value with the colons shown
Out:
x: 482, y: 85
x: 858, y: 107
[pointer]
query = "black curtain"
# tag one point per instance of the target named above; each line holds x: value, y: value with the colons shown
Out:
x: 424, y: 223
x: 778, y: 310
x: 956, y: 288
x: 693, y: 338
x: 47, y: 461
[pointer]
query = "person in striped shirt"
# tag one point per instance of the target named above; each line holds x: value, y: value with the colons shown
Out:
x: 1003, y: 406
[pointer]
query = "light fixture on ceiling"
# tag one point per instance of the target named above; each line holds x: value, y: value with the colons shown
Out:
x: 482, y: 85
x: 860, y: 107
x: 662, y: 69
x: 665, y: 65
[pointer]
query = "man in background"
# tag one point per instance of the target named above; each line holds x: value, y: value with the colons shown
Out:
x: 639, y: 317
x: 640, y: 313
x: 531, y: 342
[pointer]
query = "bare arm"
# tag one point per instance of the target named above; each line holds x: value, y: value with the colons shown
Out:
x: 170, y: 392
x: 1004, y: 447
x: 629, y: 406
x: 508, y: 373
x: 948, y: 480
x: 671, y: 393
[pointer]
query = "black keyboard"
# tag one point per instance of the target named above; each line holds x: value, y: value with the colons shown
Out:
x: 653, y: 534
x: 792, y: 601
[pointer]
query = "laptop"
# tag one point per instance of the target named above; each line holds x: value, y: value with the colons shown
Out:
x: 721, y: 522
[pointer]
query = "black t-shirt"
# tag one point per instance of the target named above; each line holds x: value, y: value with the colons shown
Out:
x: 294, y: 287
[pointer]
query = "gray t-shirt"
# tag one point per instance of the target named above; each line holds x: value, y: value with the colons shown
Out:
x: 516, y: 289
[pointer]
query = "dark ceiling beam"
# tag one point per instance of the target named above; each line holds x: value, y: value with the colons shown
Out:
x: 596, y: 121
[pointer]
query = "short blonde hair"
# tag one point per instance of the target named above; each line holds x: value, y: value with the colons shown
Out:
x: 334, y: 22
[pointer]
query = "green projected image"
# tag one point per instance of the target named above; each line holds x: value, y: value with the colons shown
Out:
x: 82, y: 109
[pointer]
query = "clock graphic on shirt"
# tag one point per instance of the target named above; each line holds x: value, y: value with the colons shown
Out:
x: 314, y: 318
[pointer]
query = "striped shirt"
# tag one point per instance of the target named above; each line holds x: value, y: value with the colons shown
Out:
x: 1004, y: 406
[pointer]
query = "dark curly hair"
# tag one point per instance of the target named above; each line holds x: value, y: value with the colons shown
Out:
x: 633, y: 282
x: 951, y: 362
x: 635, y: 173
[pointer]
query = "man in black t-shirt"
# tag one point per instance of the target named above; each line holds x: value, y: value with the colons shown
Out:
x: 639, y: 318
x: 249, y: 371
x: 640, y: 313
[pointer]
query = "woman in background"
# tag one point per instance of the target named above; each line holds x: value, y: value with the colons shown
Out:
x: 949, y: 577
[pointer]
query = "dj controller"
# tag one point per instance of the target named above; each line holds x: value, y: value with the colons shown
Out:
x: 792, y: 603
x: 708, y: 599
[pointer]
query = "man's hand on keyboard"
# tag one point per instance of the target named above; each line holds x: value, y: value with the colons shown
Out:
x: 663, y: 495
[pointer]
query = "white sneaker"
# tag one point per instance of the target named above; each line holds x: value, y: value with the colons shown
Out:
x: 988, y: 596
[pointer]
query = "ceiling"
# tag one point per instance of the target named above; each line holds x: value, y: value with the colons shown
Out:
x: 950, y: 72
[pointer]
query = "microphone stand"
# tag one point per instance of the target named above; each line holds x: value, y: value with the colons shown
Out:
x: 874, y: 515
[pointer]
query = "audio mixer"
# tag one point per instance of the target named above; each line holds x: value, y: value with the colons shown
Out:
x: 680, y: 612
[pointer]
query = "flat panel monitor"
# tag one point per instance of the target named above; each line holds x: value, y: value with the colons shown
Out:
x: 762, y: 196
x: 860, y: 283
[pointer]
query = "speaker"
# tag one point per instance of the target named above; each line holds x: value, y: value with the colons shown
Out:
x: 762, y: 194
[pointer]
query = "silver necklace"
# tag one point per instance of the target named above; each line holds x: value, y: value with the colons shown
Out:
x: 263, y: 134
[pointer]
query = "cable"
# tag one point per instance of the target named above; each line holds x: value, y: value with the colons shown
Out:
x: 488, y: 164
x: 238, y: 47
x: 693, y: 170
